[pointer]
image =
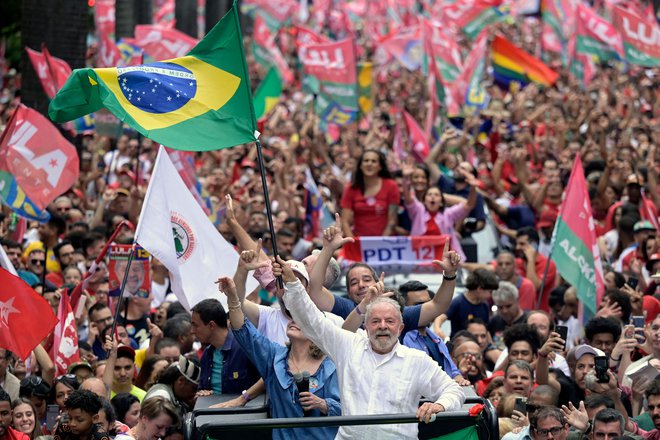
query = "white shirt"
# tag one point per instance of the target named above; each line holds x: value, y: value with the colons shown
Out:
x: 273, y: 322
x: 371, y: 383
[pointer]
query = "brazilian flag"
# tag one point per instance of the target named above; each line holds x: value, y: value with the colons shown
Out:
x: 268, y: 93
x: 198, y: 102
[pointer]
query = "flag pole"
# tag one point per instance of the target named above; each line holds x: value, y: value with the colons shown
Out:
x: 121, y: 295
x: 269, y: 214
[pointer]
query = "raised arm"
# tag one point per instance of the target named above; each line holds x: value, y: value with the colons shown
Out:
x: 329, y: 338
x: 355, y: 319
x: 332, y: 240
x: 242, y: 237
x: 248, y: 261
x: 451, y: 262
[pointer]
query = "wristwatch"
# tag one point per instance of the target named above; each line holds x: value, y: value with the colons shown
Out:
x: 587, y: 430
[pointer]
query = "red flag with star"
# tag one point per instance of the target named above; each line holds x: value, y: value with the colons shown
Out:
x: 42, y: 161
x: 25, y: 317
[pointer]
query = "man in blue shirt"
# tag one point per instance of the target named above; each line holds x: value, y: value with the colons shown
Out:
x: 224, y: 366
x: 416, y: 293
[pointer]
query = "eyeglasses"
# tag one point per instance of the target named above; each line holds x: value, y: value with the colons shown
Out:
x: 555, y: 430
x: 476, y: 356
x: 65, y: 376
x: 36, y: 262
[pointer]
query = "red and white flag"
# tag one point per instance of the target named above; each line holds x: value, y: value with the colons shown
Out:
x: 65, y: 343
x: 52, y: 71
x: 162, y: 43
x: 419, y: 142
x: 42, y: 161
x: 108, y: 54
x: 20, y: 332
x: 104, y: 17
x: 163, y: 13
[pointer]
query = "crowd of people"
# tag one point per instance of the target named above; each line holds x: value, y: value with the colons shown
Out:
x: 374, y: 348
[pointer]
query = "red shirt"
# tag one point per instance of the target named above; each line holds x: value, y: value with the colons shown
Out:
x: 539, y: 267
x: 13, y: 434
x: 370, y: 213
x: 432, y: 227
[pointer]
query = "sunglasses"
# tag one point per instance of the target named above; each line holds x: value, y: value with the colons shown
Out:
x: 32, y: 380
x: 37, y: 262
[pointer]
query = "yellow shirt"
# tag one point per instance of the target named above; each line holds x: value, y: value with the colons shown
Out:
x: 137, y: 392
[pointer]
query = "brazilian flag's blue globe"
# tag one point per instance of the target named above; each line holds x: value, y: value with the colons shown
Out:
x: 198, y: 102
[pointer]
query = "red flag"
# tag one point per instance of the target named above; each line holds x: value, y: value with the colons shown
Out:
x: 44, y: 164
x: 40, y: 65
x: 420, y: 145
x: 397, y: 143
x: 306, y: 36
x: 104, y: 17
x: 20, y: 332
x: 641, y: 38
x: 65, y: 344
x: 161, y: 43
x: 405, y: 44
x: 52, y: 71
x: 108, y: 54
x: 59, y: 69
x: 263, y: 38
x: 164, y: 14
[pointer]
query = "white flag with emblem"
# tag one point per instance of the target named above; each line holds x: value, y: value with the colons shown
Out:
x: 175, y: 230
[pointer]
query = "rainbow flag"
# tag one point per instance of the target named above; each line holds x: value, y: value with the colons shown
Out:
x: 512, y: 64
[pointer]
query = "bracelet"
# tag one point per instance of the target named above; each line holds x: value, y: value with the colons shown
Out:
x: 246, y: 396
x: 449, y: 278
x: 616, y: 359
x: 234, y: 307
x: 357, y: 309
x: 540, y: 354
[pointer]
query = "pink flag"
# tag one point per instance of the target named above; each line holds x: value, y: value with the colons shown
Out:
x: 419, y: 142
x: 161, y: 43
x: 460, y: 87
x: 65, y: 344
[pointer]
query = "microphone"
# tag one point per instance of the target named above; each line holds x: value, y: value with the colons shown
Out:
x: 302, y: 383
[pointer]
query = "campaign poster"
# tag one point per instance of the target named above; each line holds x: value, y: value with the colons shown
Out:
x: 138, y: 282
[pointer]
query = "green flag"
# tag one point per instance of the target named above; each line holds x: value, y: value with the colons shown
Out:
x: 198, y: 102
x: 267, y: 94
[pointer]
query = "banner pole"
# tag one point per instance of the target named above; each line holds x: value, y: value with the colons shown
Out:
x: 121, y: 295
x: 269, y: 214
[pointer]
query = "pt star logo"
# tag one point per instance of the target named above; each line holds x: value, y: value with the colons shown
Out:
x: 6, y: 308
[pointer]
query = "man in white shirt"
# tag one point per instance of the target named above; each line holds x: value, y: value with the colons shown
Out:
x: 377, y: 374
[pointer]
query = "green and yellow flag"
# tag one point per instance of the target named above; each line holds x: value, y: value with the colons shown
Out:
x: 198, y: 102
x: 268, y: 93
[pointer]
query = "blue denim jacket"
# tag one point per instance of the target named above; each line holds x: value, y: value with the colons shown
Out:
x: 238, y: 373
x: 415, y: 339
x: 272, y: 361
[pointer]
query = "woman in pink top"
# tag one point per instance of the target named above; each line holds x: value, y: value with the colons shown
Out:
x: 432, y: 217
x: 370, y: 204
